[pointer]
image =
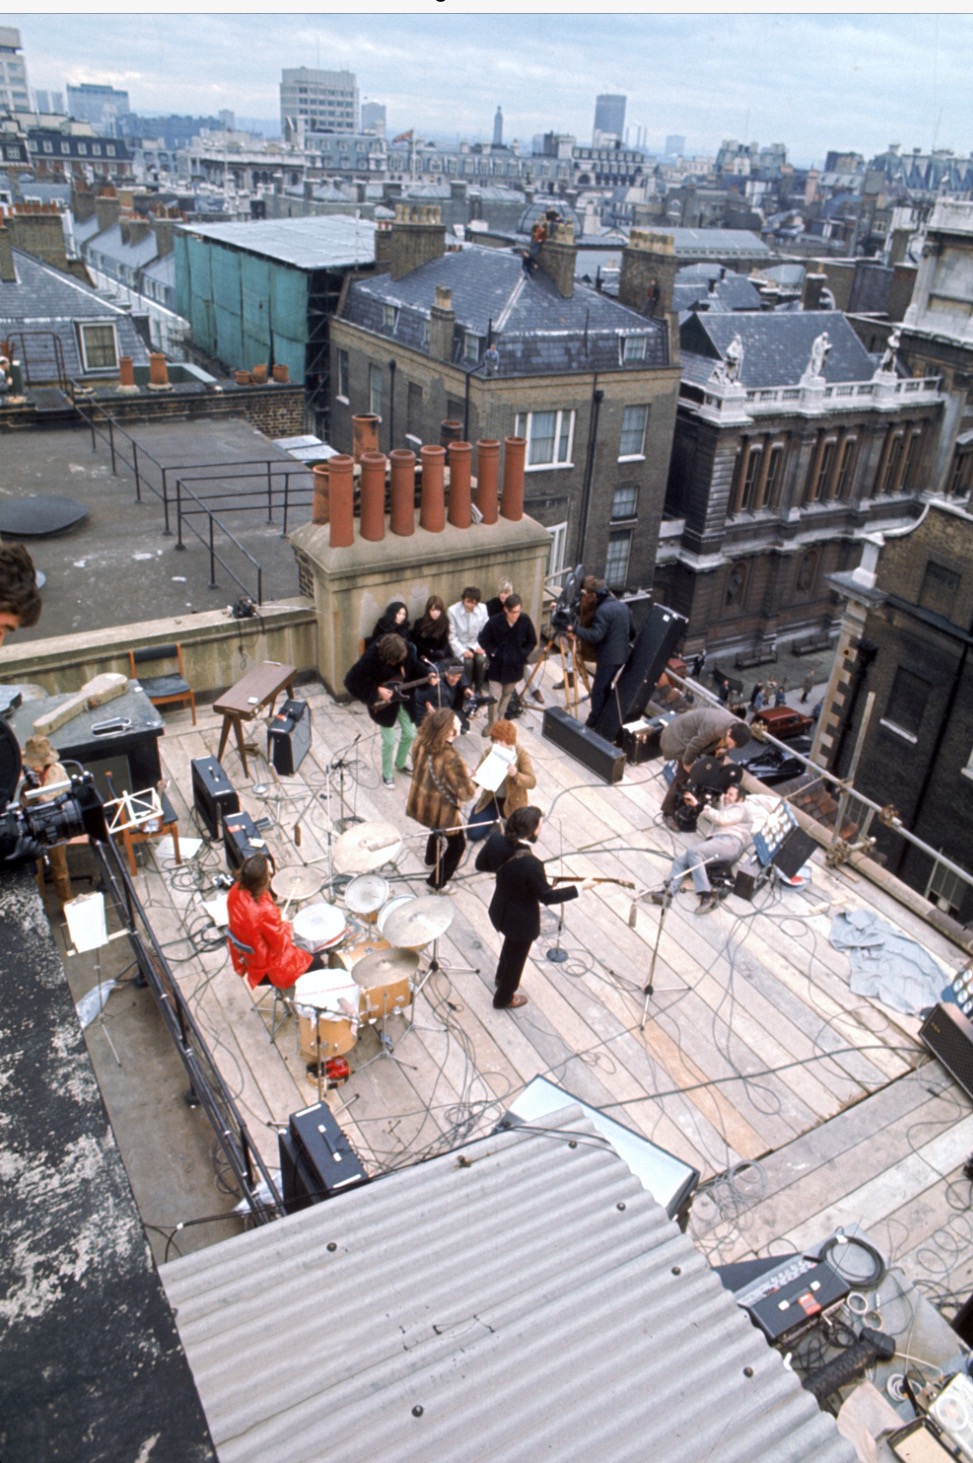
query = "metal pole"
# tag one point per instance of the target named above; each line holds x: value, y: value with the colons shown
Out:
x: 167, y: 531
x: 111, y: 443
x: 135, y: 464
x: 180, y: 544
x: 212, y: 555
x: 270, y: 494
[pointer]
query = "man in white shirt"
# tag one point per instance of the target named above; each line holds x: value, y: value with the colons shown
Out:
x: 466, y: 619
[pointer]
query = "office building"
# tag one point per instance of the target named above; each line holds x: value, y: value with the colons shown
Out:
x: 326, y: 101
x: 14, y: 96
x: 609, y: 117
x: 99, y: 105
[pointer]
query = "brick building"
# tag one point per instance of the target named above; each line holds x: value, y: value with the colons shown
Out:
x: 906, y: 639
x: 791, y: 440
x: 473, y: 338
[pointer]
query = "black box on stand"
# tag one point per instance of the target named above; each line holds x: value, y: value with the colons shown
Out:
x: 289, y: 737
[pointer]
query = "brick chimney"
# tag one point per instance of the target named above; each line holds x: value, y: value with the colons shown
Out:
x: 383, y: 246
x: 134, y: 230
x: 646, y: 257
x: 557, y: 258
x: 39, y: 231
x: 165, y: 232
x: 442, y: 318
x: 107, y: 211
x: 418, y: 236
x: 7, y: 271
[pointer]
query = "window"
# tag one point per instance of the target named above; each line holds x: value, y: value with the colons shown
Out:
x: 48, y: 146
x: 99, y: 348
x: 907, y: 701
x: 774, y: 478
x: 939, y: 586
x: 625, y: 500
x: 390, y: 316
x: 343, y: 393
x: 634, y: 423
x: 110, y: 150
x: 82, y: 149
x: 845, y: 480
x: 633, y: 348
x: 961, y: 472
x: 375, y: 390
x: 911, y: 459
x: 945, y: 889
x: 471, y: 348
x: 559, y: 542
x: 549, y: 437
x: 413, y: 411
x: 616, y: 560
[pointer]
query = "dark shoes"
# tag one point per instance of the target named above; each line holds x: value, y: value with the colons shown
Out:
x: 519, y: 1000
x: 707, y: 903
x: 538, y: 696
x: 566, y: 684
x: 485, y: 699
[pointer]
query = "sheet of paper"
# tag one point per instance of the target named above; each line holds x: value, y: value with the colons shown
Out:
x: 494, y: 769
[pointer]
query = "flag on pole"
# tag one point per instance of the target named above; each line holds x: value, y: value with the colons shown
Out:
x: 404, y: 136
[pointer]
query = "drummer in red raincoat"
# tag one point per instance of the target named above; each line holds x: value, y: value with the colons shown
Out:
x: 256, y: 921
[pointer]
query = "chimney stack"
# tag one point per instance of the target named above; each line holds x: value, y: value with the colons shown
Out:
x: 442, y: 318
x: 418, y: 237
x: 557, y: 258
x: 7, y: 271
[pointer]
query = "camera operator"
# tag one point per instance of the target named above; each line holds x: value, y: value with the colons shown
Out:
x: 20, y: 602
x: 610, y: 632
x: 42, y: 769
x: 734, y: 826
x: 708, y: 730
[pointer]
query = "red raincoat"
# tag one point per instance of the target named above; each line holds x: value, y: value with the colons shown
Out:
x: 259, y: 923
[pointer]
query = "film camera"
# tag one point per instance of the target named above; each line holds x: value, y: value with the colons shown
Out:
x: 565, y: 612
x: 26, y: 832
x: 708, y: 781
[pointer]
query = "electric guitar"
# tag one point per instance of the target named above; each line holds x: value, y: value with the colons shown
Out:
x: 398, y: 689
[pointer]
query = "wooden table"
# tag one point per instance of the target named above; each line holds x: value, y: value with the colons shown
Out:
x: 260, y: 687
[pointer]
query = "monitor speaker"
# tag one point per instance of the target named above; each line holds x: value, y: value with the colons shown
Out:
x: 794, y: 852
x: 584, y: 745
x: 289, y: 737
x: 213, y: 794
x: 656, y: 641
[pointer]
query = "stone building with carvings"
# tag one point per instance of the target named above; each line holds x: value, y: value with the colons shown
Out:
x: 790, y: 442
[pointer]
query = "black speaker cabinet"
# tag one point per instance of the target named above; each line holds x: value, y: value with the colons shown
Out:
x: 949, y: 1036
x: 794, y: 852
x: 213, y: 793
x: 289, y: 737
x: 241, y: 838
x: 658, y: 638
x: 325, y: 1152
x: 584, y: 745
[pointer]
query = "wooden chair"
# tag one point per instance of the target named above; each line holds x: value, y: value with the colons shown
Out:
x: 282, y: 998
x: 168, y: 688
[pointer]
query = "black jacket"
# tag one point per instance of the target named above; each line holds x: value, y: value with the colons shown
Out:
x: 370, y: 672
x: 610, y: 631
x: 507, y: 647
x: 522, y: 887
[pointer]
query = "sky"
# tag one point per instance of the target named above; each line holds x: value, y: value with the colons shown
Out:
x: 812, y: 81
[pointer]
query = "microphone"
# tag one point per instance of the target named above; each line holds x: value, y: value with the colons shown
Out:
x: 632, y: 914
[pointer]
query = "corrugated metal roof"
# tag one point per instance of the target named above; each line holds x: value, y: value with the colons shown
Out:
x: 521, y: 1297
x: 334, y: 241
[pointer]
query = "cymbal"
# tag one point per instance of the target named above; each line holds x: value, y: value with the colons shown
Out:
x: 419, y: 922
x: 383, y: 966
x: 296, y: 882
x: 366, y: 847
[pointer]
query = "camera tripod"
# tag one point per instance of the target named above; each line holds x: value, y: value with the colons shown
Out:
x: 573, y: 668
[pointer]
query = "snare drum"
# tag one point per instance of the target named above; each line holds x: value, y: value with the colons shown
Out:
x: 388, y: 909
x: 319, y: 927
x: 365, y: 896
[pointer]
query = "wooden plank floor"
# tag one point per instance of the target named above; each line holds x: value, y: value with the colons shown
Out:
x: 802, y: 1105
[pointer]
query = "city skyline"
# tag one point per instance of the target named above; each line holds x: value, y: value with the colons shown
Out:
x: 812, y: 82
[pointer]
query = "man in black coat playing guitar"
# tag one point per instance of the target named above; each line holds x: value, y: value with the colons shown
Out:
x: 383, y: 678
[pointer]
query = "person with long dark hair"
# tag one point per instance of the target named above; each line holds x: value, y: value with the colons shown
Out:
x: 441, y: 784
x: 256, y: 921
x: 393, y: 621
x: 377, y: 678
x: 430, y: 633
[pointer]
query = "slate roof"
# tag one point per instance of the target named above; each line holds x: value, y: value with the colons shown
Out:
x: 535, y: 330
x: 776, y: 347
x: 321, y: 242
x: 733, y: 291
x: 112, y: 245
x: 42, y: 298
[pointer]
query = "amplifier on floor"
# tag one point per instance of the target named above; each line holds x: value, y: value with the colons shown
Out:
x: 949, y: 1036
x: 317, y: 1161
x: 583, y: 744
x: 289, y: 737
x: 213, y: 794
x: 640, y: 739
x: 241, y: 838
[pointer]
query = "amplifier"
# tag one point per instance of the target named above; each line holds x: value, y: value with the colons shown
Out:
x: 640, y: 739
x: 289, y: 737
x: 748, y: 874
x: 323, y: 1161
x: 584, y: 745
x: 213, y: 793
x: 241, y: 838
x: 949, y: 1036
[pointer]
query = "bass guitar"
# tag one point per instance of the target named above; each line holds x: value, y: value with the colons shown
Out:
x: 577, y: 879
x: 398, y: 689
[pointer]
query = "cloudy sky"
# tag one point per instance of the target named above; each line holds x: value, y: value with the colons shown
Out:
x: 813, y: 82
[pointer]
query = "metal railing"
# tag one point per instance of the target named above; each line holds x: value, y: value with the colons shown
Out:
x: 252, y: 485
x: 206, y: 1084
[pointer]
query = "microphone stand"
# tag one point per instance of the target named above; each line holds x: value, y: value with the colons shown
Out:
x: 647, y: 989
x: 338, y: 764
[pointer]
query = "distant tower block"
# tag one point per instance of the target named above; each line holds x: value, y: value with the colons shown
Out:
x: 498, y: 129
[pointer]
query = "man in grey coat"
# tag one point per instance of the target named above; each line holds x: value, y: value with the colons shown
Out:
x: 704, y: 731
